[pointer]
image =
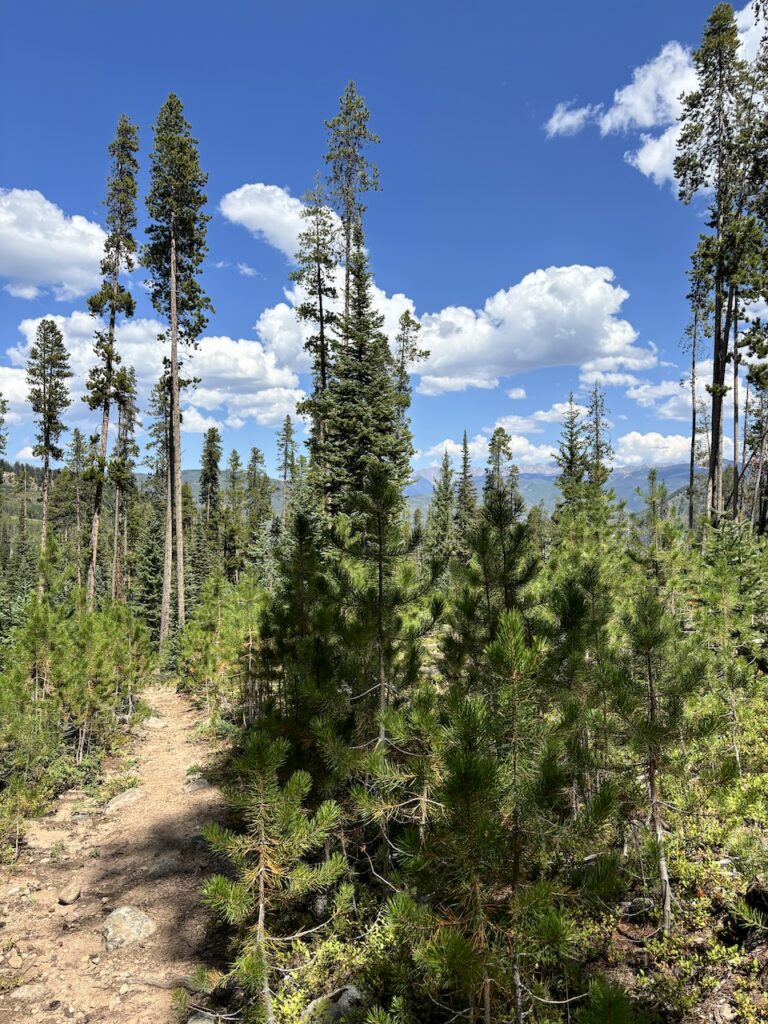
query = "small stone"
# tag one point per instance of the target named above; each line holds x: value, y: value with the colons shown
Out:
x: 123, y: 989
x: 156, y: 723
x: 14, y: 960
x: 29, y: 993
x: 125, y: 926
x: 69, y: 894
x: 197, y: 784
x: 124, y: 799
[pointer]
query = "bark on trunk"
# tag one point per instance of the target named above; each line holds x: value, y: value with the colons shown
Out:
x: 176, y: 438
x: 165, y: 604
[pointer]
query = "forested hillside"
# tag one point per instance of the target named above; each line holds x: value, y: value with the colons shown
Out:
x: 494, y: 743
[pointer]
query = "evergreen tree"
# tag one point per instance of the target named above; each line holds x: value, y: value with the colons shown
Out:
x: 111, y: 299
x: 286, y: 463
x: 363, y: 403
x: 233, y: 526
x: 439, y: 537
x: 122, y: 467
x: 47, y: 375
x: 271, y: 864
x: 258, y: 502
x: 710, y: 157
x: 350, y: 175
x: 173, y: 256
x: 466, y: 497
x: 317, y: 259
x: 209, y: 476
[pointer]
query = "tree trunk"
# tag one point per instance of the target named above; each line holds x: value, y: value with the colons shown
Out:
x: 655, y: 808
x: 90, y: 585
x: 692, y: 467
x: 176, y: 437
x: 165, y: 605
x: 117, y: 581
x: 736, y: 411
x: 44, y: 524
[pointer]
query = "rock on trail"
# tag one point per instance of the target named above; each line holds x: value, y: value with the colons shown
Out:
x: 105, y: 897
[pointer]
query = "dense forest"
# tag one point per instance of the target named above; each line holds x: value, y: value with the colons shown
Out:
x: 485, y: 764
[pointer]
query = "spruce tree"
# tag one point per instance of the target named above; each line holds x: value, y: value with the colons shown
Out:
x: 173, y: 256
x: 111, y: 299
x: 363, y: 424
x: 47, y: 375
x: 258, y: 502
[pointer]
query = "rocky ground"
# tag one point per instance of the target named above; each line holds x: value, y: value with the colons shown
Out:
x: 101, y: 917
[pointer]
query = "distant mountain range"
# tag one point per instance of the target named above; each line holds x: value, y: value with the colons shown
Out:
x: 541, y: 488
x: 536, y: 488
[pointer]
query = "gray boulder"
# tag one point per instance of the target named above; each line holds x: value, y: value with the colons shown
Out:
x: 128, y: 796
x: 125, y: 926
x: 334, y: 1007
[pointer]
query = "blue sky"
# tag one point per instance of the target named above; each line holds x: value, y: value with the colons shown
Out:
x: 526, y: 214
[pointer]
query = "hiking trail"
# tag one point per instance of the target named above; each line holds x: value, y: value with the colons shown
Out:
x: 81, y: 862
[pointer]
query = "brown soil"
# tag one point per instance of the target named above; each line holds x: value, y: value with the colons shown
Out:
x: 148, y: 855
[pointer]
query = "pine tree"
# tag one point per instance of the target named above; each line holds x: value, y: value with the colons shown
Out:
x: 363, y: 423
x: 350, y: 173
x: 466, y: 498
x: 173, y: 257
x: 439, y: 539
x: 710, y: 157
x: 122, y: 475
x: 317, y: 259
x: 112, y: 299
x: 271, y: 864
x: 572, y: 457
x: 210, y: 476
x: 233, y: 526
x: 286, y: 463
x: 47, y: 375
x: 258, y: 502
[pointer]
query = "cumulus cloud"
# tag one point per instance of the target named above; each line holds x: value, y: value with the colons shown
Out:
x: 651, y: 449
x: 25, y: 454
x: 241, y: 376
x: 194, y: 422
x: 516, y: 393
x: 525, y: 453
x: 560, y: 316
x: 13, y: 387
x: 537, y: 421
x: 650, y: 104
x: 42, y: 249
x: 267, y: 211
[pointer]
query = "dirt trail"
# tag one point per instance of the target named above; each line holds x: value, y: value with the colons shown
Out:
x: 146, y: 854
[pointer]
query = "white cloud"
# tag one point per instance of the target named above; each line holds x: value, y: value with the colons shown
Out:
x: 268, y: 211
x: 653, y: 96
x: 194, y: 422
x: 650, y: 104
x: 25, y: 454
x: 247, y: 271
x: 13, y: 387
x: 536, y: 422
x: 607, y: 378
x: 41, y: 248
x: 568, y: 120
x: 516, y: 393
x: 652, y: 449
x: 561, y: 316
x: 240, y: 376
x: 647, y: 394
x: 478, y: 449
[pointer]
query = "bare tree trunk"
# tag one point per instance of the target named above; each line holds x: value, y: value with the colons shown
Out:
x: 736, y: 411
x: 44, y: 524
x: 90, y: 586
x: 176, y: 437
x: 653, y: 798
x: 692, y: 468
x: 165, y: 605
x: 116, y: 581
x: 758, y: 484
